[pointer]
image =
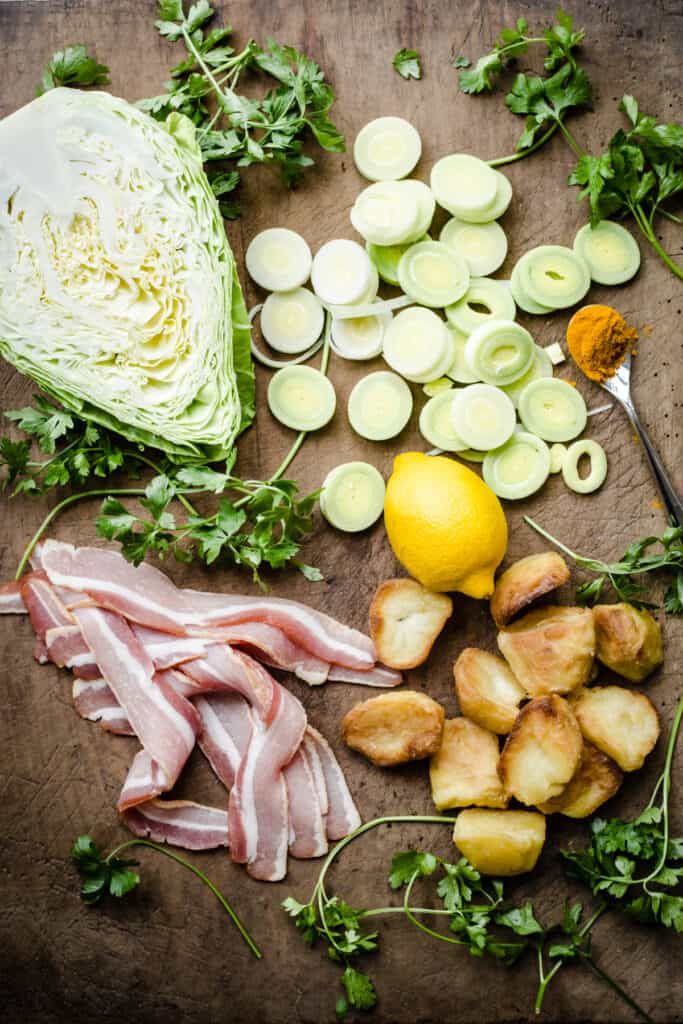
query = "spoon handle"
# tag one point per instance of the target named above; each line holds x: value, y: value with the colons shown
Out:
x: 672, y: 501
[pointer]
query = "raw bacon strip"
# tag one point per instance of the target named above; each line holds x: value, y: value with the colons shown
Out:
x: 67, y: 649
x: 314, y: 763
x: 180, y: 823
x: 45, y: 609
x: 167, y: 650
x: 165, y: 723
x: 11, y: 601
x: 271, y: 646
x: 146, y: 779
x: 342, y: 815
x: 145, y: 595
x: 227, y: 725
x: 307, y: 835
x: 94, y: 700
x: 380, y: 675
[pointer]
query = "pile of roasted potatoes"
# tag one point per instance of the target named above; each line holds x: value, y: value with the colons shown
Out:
x: 566, y: 742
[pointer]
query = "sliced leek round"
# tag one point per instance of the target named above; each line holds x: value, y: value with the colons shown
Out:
x: 471, y: 455
x: 436, y: 423
x: 278, y: 259
x: 496, y: 208
x: 386, y: 258
x: 483, y: 301
x: 436, y: 387
x: 558, y: 453
x: 499, y: 352
x: 611, y: 252
x: 553, y: 275
x: 292, y: 321
x: 519, y: 468
x: 522, y: 299
x: 379, y: 406
x: 386, y: 149
x: 459, y: 370
x: 426, y: 205
x: 598, y: 467
x: 418, y: 345
x: 463, y: 184
x: 552, y: 409
x: 540, y: 368
x: 482, y: 246
x: 352, y: 496
x: 386, y: 214
x: 301, y: 397
x: 360, y: 337
x: 431, y: 274
x: 483, y: 416
x: 341, y: 273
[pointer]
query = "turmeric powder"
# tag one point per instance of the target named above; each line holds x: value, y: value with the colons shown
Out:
x: 598, y: 338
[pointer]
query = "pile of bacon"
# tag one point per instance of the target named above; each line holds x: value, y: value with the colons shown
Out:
x: 174, y: 667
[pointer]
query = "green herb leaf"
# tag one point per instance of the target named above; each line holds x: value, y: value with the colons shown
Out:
x: 360, y: 991
x: 409, y: 863
x: 407, y: 63
x: 72, y: 67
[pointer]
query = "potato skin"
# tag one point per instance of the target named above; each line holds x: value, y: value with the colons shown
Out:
x: 394, y: 727
x: 464, y: 769
x: 550, y: 650
x: 628, y: 640
x: 596, y: 780
x: 524, y: 582
x: 620, y: 722
x: 542, y: 752
x: 500, y: 842
x: 487, y: 690
x: 405, y: 619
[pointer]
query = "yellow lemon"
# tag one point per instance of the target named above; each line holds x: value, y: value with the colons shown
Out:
x: 445, y: 524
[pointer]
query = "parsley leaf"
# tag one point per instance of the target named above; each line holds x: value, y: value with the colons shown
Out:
x: 408, y: 63
x: 102, y: 875
x: 360, y: 991
x: 413, y: 862
x: 72, y: 67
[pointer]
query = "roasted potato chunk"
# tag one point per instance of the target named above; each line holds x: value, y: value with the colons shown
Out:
x: 627, y: 640
x: 550, y: 650
x: 487, y: 690
x: 621, y: 723
x: 595, y: 780
x: 394, y: 727
x: 542, y: 752
x: 464, y: 769
x: 405, y: 620
x: 500, y: 842
x: 524, y: 582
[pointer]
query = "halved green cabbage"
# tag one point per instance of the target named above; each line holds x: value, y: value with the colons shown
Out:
x: 119, y: 294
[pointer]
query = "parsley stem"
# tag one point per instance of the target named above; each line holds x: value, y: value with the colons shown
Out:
x: 545, y: 979
x: 648, y: 231
x: 202, y: 877
x: 618, y: 989
x: 520, y: 154
x: 159, y: 471
x: 71, y: 499
x: 570, y: 138
x: 418, y: 924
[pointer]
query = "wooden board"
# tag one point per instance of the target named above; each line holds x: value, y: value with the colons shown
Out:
x: 168, y: 953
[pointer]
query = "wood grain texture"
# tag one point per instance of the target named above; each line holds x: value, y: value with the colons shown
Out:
x: 168, y: 953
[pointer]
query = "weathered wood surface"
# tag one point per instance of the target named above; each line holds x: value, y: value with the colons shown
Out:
x: 168, y: 953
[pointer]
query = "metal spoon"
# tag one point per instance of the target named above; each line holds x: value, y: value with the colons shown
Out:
x: 619, y: 387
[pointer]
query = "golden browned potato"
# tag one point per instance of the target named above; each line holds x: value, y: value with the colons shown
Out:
x: 542, y: 752
x: 394, y: 727
x: 500, y: 842
x: 405, y: 620
x: 487, y: 690
x: 595, y: 780
x: 621, y: 723
x: 464, y: 769
x: 550, y: 650
x: 628, y: 640
x: 524, y: 582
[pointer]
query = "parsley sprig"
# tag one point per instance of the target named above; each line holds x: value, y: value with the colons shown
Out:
x: 477, y: 914
x: 72, y: 66
x: 637, y: 866
x: 408, y: 63
x: 544, y: 102
x: 235, y: 130
x: 625, y: 576
x: 115, y: 876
